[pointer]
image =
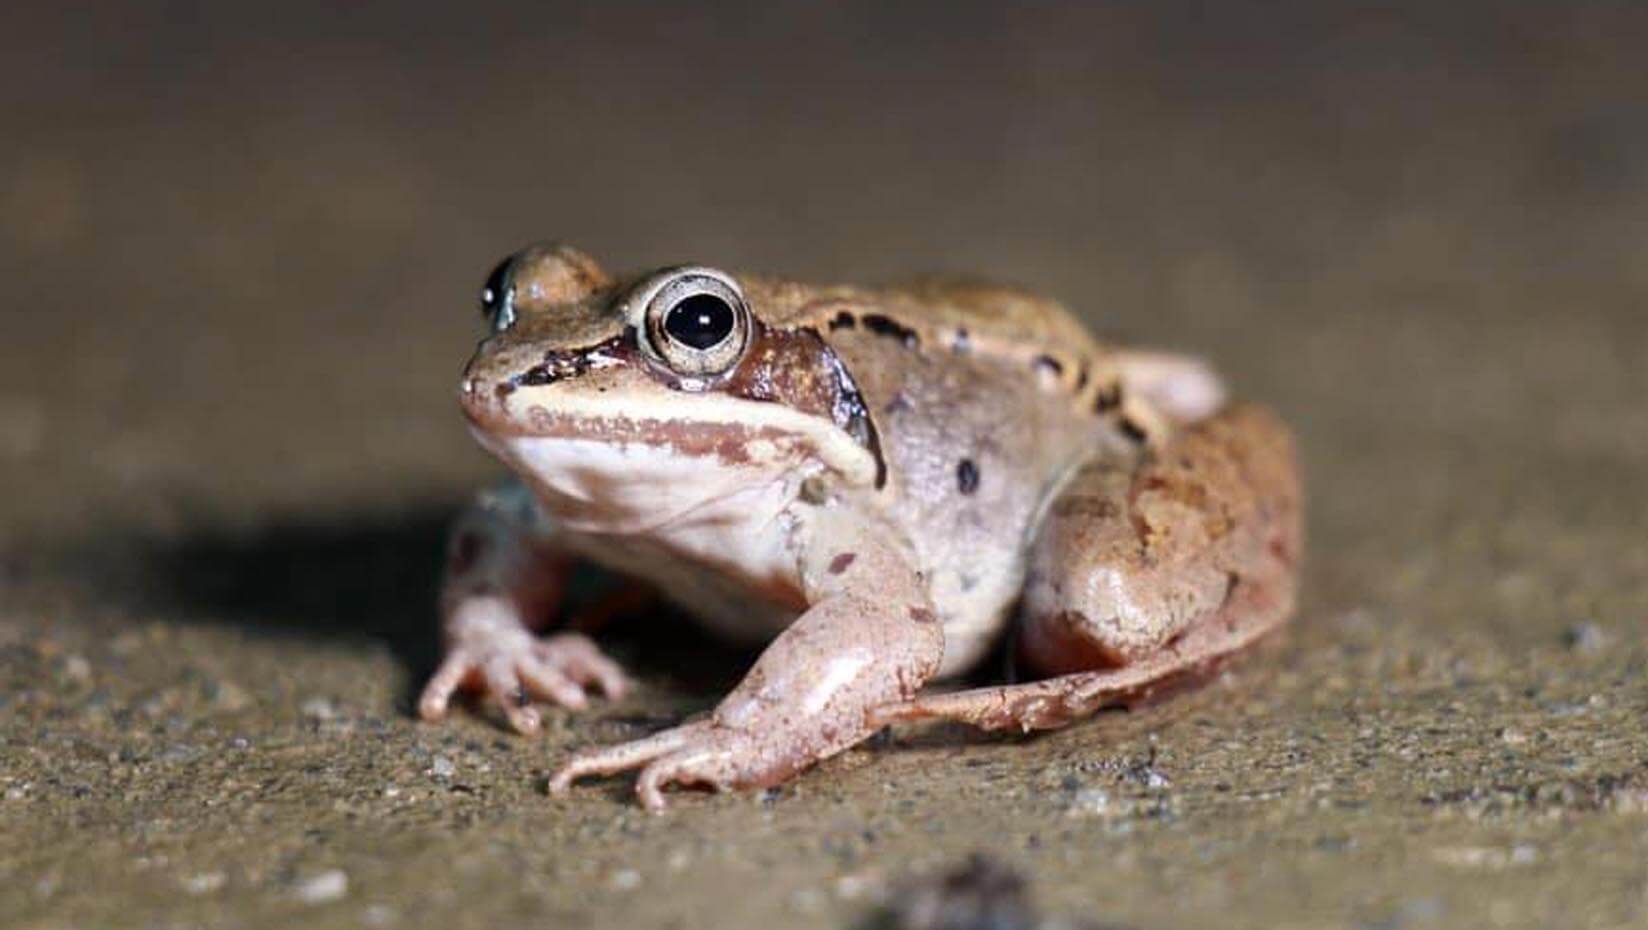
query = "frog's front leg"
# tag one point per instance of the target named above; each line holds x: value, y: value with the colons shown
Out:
x: 869, y: 639
x: 504, y: 582
x: 1144, y: 575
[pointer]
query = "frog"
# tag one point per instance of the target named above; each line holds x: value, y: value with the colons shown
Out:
x: 878, y: 486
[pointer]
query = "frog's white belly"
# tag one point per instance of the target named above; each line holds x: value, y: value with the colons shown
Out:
x: 717, y: 538
x: 722, y: 539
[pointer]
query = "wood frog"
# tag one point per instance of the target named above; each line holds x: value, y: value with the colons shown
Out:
x: 880, y: 483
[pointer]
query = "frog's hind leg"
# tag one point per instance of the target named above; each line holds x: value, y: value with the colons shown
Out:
x: 1143, y: 577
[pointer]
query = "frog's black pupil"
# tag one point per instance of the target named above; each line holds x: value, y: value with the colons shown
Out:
x: 700, y: 321
x: 496, y: 287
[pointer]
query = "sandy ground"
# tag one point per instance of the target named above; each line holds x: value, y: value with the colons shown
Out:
x: 238, y: 257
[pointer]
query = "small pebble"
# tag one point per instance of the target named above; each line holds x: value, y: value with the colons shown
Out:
x: 625, y: 880
x: 1089, y: 802
x: 1586, y: 638
x: 77, y: 669
x: 851, y: 887
x: 204, y: 882
x: 323, y: 887
x: 442, y: 767
x: 228, y: 696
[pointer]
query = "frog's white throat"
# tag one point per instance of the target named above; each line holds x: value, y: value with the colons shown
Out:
x: 603, y: 486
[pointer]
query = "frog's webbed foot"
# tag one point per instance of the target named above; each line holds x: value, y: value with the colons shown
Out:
x: 702, y: 753
x: 494, y: 654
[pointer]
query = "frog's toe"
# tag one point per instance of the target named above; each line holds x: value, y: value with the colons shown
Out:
x: 705, y: 767
x: 454, y: 670
x: 577, y: 658
x: 502, y: 678
x: 610, y: 760
x: 698, y: 754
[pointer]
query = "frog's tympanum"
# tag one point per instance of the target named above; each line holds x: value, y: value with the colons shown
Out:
x: 882, y: 482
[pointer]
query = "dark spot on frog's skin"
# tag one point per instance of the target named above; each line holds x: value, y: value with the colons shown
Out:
x: 1081, y: 376
x: 885, y: 326
x: 1049, y: 364
x: 467, y: 549
x: 843, y: 320
x: 839, y: 563
x: 504, y: 389
x: 967, y: 476
x: 897, y: 405
x: 1108, y: 398
x: 922, y: 615
x: 1132, y: 430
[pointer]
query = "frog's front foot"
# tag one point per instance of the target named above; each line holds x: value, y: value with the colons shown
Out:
x: 703, y: 753
x: 491, y: 652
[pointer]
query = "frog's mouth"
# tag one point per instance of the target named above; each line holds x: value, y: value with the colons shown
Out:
x: 622, y: 453
x: 764, y: 418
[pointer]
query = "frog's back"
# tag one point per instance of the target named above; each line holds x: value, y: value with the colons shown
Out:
x: 957, y: 316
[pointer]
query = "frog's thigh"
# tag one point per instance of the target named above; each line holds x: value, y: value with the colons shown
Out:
x: 1141, y: 575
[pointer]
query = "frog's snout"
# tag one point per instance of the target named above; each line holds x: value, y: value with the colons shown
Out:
x: 482, y: 398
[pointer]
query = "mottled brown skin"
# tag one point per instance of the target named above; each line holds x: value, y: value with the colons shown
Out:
x: 1205, y: 534
x: 871, y: 479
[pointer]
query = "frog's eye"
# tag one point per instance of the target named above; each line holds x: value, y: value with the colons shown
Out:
x: 697, y: 322
x: 498, y: 296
